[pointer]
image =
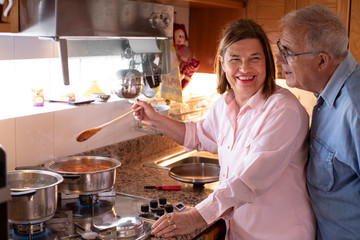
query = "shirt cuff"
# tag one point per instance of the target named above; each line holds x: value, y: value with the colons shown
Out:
x: 189, y: 140
x: 208, y: 210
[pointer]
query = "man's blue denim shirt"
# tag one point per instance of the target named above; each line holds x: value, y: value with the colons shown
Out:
x: 333, y: 173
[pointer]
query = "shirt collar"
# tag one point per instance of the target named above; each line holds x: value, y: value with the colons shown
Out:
x: 338, y: 79
x: 256, y: 102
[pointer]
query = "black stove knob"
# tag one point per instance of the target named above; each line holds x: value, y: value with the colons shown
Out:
x: 162, y: 201
x: 153, y: 203
x: 160, y: 212
x: 169, y: 208
x: 144, y: 208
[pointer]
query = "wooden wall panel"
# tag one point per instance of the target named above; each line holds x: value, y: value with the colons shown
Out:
x: 269, y: 25
x: 355, y: 29
x: 272, y: 3
x: 11, y: 22
x: 342, y: 10
x: 289, y: 6
x: 270, y: 12
x: 329, y: 3
x: 206, y: 25
x: 251, y: 10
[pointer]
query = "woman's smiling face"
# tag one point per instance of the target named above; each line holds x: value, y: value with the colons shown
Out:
x: 245, y: 67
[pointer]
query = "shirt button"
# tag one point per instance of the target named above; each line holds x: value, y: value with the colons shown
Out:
x: 228, y: 147
x: 318, y: 109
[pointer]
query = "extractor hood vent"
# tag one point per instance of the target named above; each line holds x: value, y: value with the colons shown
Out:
x: 63, y: 20
x: 95, y: 18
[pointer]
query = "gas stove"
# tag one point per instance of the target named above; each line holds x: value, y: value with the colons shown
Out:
x: 107, y: 215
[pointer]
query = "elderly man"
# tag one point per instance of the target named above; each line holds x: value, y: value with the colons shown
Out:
x: 314, y: 56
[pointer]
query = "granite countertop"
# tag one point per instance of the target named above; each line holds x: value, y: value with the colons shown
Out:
x: 132, y: 176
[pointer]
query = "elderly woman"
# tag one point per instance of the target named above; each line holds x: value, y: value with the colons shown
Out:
x: 259, y: 131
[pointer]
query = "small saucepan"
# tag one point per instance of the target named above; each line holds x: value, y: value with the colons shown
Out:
x: 33, y: 195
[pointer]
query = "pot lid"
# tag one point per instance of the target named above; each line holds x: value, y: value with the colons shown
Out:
x: 24, y: 180
x: 59, y: 164
x: 197, y: 173
x: 126, y: 227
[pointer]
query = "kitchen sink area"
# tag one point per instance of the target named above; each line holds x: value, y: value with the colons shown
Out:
x: 183, y: 158
x: 196, y: 168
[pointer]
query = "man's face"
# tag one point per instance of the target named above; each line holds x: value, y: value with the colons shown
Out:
x: 299, y: 70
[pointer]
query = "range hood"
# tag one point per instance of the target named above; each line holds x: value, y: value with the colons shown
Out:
x: 64, y: 20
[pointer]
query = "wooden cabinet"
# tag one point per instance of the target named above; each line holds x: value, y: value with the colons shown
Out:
x: 354, y: 28
x: 11, y: 22
x: 268, y: 14
x: 205, y: 28
x: 207, y: 20
x: 216, y: 231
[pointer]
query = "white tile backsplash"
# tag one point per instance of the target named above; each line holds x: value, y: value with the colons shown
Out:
x: 37, y: 138
x: 35, y: 135
x: 7, y: 84
x: 34, y: 139
x: 68, y: 124
x: 24, y: 82
x: 7, y: 140
x: 124, y: 128
x: 98, y: 114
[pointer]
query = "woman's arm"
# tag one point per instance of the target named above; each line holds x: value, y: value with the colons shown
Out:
x: 163, y: 124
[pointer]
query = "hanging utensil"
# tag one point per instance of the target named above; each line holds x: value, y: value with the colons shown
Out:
x: 147, y: 89
x: 88, y: 133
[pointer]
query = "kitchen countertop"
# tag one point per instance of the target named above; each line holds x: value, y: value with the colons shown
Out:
x: 132, y: 176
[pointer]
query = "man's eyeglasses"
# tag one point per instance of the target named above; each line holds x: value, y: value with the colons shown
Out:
x: 284, y: 52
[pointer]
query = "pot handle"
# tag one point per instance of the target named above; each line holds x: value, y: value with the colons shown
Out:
x: 31, y: 168
x: 21, y: 193
x: 71, y: 177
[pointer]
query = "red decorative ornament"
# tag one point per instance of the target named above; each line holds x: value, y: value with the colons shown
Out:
x: 188, y: 64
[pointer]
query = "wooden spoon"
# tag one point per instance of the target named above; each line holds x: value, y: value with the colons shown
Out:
x: 86, y: 134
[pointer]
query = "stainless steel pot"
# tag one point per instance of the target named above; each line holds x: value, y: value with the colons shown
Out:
x: 34, y: 195
x: 85, y: 182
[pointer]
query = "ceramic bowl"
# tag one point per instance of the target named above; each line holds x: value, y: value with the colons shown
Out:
x: 100, y: 97
x: 162, y: 109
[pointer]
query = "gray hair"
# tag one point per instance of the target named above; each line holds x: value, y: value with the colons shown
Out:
x: 325, y: 30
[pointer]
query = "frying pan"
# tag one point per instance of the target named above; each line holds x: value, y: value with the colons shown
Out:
x: 195, y: 173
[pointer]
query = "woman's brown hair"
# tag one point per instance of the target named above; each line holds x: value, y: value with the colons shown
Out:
x: 239, y: 30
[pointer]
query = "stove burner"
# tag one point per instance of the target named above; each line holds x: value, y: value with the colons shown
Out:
x: 89, y: 199
x: 77, y: 219
x: 29, y: 229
